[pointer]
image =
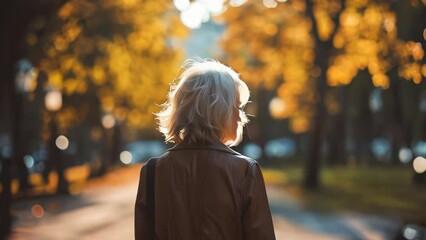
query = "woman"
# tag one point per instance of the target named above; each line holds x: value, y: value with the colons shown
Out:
x: 202, y: 188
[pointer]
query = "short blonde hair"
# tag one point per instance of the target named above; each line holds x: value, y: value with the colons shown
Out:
x: 200, y: 107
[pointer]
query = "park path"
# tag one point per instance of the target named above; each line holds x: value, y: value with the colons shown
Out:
x: 105, y: 211
x: 293, y: 221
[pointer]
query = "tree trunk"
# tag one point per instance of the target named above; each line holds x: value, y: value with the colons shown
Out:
x: 312, y: 179
x: 396, y: 121
x: 17, y: 141
x: 5, y: 198
x: 337, y: 137
x: 56, y: 157
x: 14, y: 19
x: 9, y: 46
x: 262, y: 119
x: 323, y: 50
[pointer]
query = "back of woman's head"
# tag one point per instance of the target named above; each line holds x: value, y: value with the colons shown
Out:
x: 204, y: 105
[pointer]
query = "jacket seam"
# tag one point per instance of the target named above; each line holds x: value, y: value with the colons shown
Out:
x: 204, y: 148
x: 248, y: 176
x: 170, y: 236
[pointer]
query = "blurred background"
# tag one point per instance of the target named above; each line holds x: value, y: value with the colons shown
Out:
x: 338, y: 109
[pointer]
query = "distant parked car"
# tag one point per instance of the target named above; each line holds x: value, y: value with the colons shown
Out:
x: 419, y: 148
x: 280, y: 147
x: 142, y: 151
x: 381, y: 148
x: 36, y: 161
x: 252, y: 150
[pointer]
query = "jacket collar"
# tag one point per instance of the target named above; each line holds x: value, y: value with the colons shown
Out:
x: 204, y: 146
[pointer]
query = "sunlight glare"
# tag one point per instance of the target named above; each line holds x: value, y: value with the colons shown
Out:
x: 215, y: 7
x: 237, y: 3
x: 194, y: 15
x: 270, y: 3
x: 181, y: 5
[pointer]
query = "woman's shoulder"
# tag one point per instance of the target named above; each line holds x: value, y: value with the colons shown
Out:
x: 216, y: 152
x: 244, y: 159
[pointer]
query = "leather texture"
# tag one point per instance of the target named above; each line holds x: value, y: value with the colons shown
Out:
x: 206, y: 191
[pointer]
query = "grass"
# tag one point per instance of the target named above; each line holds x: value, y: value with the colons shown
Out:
x: 380, y: 190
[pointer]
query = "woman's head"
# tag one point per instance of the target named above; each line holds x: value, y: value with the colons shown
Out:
x: 204, y: 106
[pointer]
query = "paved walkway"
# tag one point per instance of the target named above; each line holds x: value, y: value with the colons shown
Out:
x: 293, y: 221
x: 105, y: 211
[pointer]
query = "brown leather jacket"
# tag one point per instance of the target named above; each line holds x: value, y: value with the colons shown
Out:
x: 206, y: 191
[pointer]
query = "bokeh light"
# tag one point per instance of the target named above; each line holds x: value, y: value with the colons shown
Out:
x: 37, y: 211
x: 424, y: 33
x: 277, y: 107
x: 405, y: 155
x: 53, y: 100
x: 279, y: 148
x: 181, y: 5
x: 419, y: 165
x: 110, y: 80
x: 29, y: 161
x: 126, y: 157
x: 237, y: 3
x: 25, y: 79
x: 381, y: 148
x: 108, y: 121
x: 62, y: 142
x: 410, y: 232
x: 375, y: 101
x: 252, y: 150
x: 194, y: 15
x: 75, y: 188
x: 270, y: 3
x: 14, y: 186
x: 6, y: 151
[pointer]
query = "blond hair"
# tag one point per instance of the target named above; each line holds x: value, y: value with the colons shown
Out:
x: 201, y: 106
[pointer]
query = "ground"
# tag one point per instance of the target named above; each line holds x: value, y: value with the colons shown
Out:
x: 104, y: 210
